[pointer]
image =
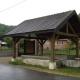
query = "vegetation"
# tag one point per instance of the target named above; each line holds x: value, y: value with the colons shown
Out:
x: 8, y: 40
x: 5, y: 28
x: 68, y: 71
x: 71, y: 51
x: 19, y: 62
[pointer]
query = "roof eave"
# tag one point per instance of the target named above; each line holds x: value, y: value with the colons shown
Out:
x: 34, y: 32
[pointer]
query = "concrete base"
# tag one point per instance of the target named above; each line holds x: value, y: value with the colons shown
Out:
x: 44, y: 63
x: 71, y: 63
x: 12, y: 60
x: 52, y: 65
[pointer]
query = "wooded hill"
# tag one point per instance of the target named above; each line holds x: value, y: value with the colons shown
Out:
x: 5, y: 28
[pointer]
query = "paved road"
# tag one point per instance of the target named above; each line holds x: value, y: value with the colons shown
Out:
x: 8, y: 72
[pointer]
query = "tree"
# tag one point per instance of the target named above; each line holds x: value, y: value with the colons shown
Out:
x: 8, y: 40
x: 79, y: 15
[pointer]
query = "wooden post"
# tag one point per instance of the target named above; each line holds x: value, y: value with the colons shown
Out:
x: 52, y: 41
x: 52, y: 64
x: 17, y: 49
x: 36, y: 47
x: 41, y: 47
x: 77, y: 47
x: 14, y: 49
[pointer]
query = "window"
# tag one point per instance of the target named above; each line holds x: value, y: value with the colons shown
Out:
x: 61, y: 42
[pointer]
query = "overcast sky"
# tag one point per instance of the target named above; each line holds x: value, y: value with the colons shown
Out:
x: 13, y: 12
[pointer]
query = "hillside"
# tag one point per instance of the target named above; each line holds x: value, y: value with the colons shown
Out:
x: 5, y: 28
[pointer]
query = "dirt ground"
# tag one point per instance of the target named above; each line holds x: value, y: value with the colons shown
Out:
x: 6, y: 59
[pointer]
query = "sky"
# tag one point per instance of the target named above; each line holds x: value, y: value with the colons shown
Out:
x: 13, y: 12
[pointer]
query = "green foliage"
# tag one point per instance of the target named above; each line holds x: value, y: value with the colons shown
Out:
x: 68, y: 71
x: 5, y: 28
x: 17, y: 62
x: 61, y: 51
x: 79, y: 15
x: 8, y: 40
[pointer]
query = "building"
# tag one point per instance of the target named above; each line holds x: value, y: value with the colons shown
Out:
x: 3, y: 45
x: 65, y: 25
x: 59, y: 44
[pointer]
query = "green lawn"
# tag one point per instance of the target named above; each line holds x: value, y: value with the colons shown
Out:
x: 68, y: 71
x: 61, y: 51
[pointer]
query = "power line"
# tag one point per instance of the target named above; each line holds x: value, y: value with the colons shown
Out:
x: 12, y: 6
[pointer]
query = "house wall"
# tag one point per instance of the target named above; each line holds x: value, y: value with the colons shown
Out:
x: 59, y: 44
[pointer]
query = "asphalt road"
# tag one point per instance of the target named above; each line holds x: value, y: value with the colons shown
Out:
x: 8, y: 72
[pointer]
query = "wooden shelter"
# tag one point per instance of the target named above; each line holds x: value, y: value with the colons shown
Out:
x: 52, y: 27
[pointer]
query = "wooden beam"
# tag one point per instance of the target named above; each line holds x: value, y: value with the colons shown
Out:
x: 39, y: 41
x: 71, y: 28
x: 36, y: 47
x: 52, y: 41
x: 66, y: 34
x: 29, y: 37
x: 56, y: 37
x: 44, y: 41
x: 40, y: 37
x: 15, y: 40
x: 41, y: 46
x: 77, y: 48
x: 67, y: 28
x: 14, y: 48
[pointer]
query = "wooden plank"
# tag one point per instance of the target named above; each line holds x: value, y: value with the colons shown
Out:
x: 66, y: 34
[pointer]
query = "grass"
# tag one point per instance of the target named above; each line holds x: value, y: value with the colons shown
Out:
x: 61, y: 51
x: 69, y: 71
x: 18, y: 62
x: 62, y: 70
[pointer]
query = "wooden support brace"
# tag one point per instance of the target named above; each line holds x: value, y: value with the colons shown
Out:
x: 67, y: 34
x: 41, y: 46
x: 67, y: 28
x: 71, y: 28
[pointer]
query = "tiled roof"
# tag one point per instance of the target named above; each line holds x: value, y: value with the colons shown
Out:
x: 42, y: 24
